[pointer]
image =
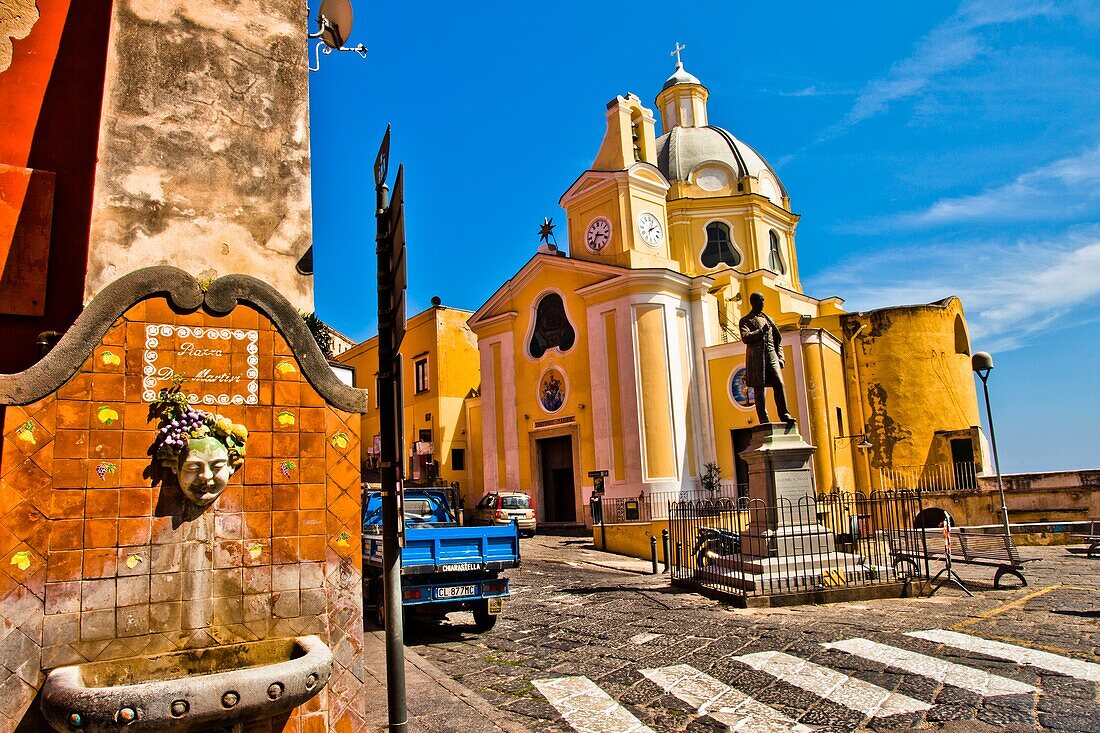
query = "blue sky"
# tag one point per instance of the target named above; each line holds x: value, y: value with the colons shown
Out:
x: 932, y: 149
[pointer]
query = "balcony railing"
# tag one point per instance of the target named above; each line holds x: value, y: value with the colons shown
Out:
x: 960, y: 476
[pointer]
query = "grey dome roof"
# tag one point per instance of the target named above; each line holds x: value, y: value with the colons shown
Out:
x: 683, y: 149
x: 680, y: 76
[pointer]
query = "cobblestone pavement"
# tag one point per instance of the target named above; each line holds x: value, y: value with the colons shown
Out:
x: 582, y: 647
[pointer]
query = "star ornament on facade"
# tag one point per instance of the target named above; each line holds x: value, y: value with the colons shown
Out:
x: 546, y: 232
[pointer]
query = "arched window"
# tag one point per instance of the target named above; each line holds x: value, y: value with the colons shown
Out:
x: 719, y: 247
x: 775, y: 256
x: 552, y: 327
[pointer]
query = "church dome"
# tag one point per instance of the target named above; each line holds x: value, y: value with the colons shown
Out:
x: 706, y: 156
x: 680, y: 76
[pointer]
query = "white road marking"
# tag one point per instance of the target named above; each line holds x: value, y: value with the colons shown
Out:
x: 587, y: 708
x: 1068, y: 666
x: 721, y: 702
x: 949, y: 673
x: 871, y: 700
x: 644, y: 637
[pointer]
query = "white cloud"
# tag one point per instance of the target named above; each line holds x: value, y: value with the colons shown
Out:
x: 1060, y: 191
x: 948, y: 46
x: 1010, y: 292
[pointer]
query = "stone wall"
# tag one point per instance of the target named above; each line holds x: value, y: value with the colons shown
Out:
x: 204, y: 146
x: 100, y: 561
x: 1057, y: 496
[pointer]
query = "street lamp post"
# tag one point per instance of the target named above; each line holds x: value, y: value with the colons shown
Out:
x: 982, y: 364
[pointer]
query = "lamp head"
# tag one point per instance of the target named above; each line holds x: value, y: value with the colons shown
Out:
x: 982, y: 363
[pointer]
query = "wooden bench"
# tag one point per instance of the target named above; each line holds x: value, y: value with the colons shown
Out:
x: 967, y: 548
x: 1092, y: 538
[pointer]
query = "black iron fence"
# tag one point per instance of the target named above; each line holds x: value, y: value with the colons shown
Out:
x: 748, y: 548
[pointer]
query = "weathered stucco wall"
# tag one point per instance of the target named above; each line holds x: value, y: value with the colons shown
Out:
x: 204, y: 144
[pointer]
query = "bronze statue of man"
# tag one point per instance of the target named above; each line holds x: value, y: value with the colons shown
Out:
x: 763, y: 359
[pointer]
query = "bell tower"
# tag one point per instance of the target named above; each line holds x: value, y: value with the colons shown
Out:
x: 616, y: 209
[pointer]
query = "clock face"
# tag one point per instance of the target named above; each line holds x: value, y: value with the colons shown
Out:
x: 649, y: 227
x: 598, y: 234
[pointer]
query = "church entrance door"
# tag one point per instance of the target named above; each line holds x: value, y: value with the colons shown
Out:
x: 559, y: 501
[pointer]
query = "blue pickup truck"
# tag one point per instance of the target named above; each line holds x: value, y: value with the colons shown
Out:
x: 445, y: 567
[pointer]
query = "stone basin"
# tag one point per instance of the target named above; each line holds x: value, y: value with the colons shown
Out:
x: 195, y: 689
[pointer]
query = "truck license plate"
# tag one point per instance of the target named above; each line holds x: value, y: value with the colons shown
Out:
x: 456, y: 591
x: 496, y: 605
x: 460, y: 567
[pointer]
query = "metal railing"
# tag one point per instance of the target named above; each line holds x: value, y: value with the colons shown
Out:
x: 749, y: 548
x: 960, y: 476
x: 649, y: 507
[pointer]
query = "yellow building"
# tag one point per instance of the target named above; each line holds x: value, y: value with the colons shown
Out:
x: 625, y: 355
x: 439, y: 372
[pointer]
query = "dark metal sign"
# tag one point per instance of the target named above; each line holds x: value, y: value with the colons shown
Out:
x: 599, y: 474
x: 382, y: 162
x: 398, y: 270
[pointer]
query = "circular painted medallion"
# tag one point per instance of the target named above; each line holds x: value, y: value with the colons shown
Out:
x: 742, y: 394
x: 552, y: 390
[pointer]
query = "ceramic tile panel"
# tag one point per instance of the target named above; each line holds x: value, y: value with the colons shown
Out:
x: 101, y: 560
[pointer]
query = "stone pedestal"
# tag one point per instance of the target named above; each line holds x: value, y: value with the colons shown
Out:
x: 784, y: 549
x: 783, y: 514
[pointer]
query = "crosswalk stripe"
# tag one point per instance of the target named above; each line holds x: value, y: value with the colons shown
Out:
x: 587, y: 708
x: 721, y: 702
x: 949, y: 673
x: 1068, y: 666
x: 851, y: 692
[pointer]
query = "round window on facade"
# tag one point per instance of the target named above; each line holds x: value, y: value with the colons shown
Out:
x: 775, y: 254
x: 719, y: 249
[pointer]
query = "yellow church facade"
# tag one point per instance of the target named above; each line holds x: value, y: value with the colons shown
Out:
x: 625, y: 355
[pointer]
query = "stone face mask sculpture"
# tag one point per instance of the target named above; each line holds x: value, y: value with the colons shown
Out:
x: 202, y: 450
x: 204, y: 470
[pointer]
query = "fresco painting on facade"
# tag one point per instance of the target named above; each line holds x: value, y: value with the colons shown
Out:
x: 740, y: 391
x: 552, y: 390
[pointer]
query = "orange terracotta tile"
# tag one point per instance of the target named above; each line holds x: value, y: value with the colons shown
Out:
x: 257, y: 525
x: 313, y: 470
x: 64, y: 565
x: 244, y: 317
x: 286, y: 394
x: 257, y: 498
x: 134, y: 531
x: 311, y: 521
x: 285, y: 497
x: 310, y: 398
x: 157, y: 310
x: 232, y: 499
x: 100, y: 533
x: 284, y: 550
x: 284, y: 524
x: 66, y: 534
x: 257, y: 471
x: 110, y: 477
x: 100, y: 563
x: 311, y: 444
x: 79, y: 387
x: 66, y: 504
x: 313, y: 548
x: 312, y: 419
x: 285, y: 445
x: 72, y: 414
x: 312, y: 496
x: 70, y: 473
x: 260, y: 418
x: 101, y: 503
x: 135, y: 502
x: 106, y: 414
x: 135, y: 443
x: 132, y: 473
x: 71, y: 444
x: 136, y: 415
x: 259, y: 445
x: 162, y: 531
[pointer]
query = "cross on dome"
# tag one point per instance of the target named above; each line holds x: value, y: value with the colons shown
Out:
x: 676, y: 52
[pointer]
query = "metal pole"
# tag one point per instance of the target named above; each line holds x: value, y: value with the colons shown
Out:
x: 664, y: 542
x: 388, y: 459
x: 996, y: 459
x: 653, y: 552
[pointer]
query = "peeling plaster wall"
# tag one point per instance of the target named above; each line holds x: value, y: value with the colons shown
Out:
x: 914, y: 380
x: 204, y: 145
